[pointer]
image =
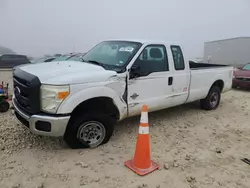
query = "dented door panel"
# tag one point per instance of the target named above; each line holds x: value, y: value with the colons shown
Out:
x: 152, y: 90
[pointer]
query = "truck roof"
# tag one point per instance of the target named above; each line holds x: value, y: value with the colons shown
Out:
x: 143, y: 41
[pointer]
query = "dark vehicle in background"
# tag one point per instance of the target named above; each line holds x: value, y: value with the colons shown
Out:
x: 241, y: 77
x: 13, y: 60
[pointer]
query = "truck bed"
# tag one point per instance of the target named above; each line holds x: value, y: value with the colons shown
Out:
x: 203, y: 75
x: 194, y: 66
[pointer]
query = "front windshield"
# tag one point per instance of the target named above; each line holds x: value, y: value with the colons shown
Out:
x: 113, y: 54
x: 246, y: 67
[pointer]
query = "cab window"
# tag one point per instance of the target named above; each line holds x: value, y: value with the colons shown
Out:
x: 152, y: 59
x: 178, y: 58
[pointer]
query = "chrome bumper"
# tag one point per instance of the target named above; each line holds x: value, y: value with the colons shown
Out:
x: 57, y: 124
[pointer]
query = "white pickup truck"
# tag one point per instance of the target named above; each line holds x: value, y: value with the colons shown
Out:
x: 81, y: 101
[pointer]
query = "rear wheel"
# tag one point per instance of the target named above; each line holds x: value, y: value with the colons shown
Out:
x: 89, y: 131
x: 212, y: 100
x: 4, y: 106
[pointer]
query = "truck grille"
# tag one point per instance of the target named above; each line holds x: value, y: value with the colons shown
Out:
x: 26, y: 91
x: 243, y: 79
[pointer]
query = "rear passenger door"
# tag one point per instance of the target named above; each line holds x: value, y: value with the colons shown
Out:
x: 150, y: 81
x: 181, y: 78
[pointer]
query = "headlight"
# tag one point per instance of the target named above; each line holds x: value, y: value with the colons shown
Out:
x: 52, y: 96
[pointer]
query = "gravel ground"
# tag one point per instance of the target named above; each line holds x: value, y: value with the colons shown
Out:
x: 195, y: 148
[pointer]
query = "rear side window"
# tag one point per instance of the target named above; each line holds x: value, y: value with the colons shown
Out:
x: 178, y: 58
x: 7, y: 58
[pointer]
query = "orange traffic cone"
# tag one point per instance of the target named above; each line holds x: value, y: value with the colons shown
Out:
x: 141, y: 164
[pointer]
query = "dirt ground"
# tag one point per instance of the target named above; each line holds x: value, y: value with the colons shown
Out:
x: 194, y: 148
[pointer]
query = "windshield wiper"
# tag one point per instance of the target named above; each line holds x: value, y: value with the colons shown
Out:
x: 95, y: 63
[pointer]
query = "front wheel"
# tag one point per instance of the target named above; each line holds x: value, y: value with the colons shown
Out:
x: 212, y: 100
x: 89, y: 131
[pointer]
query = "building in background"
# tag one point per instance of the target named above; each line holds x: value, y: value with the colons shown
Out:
x: 234, y: 51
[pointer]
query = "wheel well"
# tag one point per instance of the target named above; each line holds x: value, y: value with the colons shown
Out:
x: 219, y: 83
x: 103, y: 104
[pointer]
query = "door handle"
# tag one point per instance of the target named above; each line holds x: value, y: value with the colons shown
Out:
x: 134, y: 96
x: 170, y: 80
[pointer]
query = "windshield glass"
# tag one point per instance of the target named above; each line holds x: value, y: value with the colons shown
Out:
x: 62, y: 58
x: 246, y: 67
x: 113, y: 54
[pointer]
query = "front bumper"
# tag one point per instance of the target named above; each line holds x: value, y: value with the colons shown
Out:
x: 46, y: 125
x: 241, y: 84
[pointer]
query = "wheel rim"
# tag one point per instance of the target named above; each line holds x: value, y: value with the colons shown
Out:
x: 214, y: 99
x: 92, y: 133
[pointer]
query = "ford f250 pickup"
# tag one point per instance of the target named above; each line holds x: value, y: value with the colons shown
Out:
x: 81, y: 101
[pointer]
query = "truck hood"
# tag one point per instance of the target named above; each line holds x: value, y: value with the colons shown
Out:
x: 241, y: 73
x: 68, y: 72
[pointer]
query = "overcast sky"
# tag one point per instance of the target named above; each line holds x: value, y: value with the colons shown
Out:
x: 37, y: 27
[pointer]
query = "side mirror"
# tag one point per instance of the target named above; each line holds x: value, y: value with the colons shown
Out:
x: 134, y: 71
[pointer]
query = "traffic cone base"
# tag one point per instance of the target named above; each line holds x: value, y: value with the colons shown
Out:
x: 153, y: 166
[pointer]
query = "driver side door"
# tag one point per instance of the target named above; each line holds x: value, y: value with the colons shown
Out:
x: 150, y: 80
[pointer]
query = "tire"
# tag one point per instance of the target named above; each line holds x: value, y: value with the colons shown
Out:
x: 79, y: 125
x: 4, y: 106
x: 212, y: 101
